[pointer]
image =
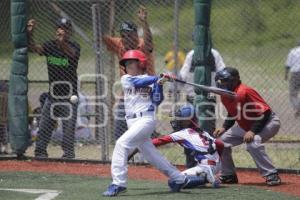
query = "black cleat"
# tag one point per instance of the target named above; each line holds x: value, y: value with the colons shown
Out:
x: 273, y: 179
x: 229, y: 179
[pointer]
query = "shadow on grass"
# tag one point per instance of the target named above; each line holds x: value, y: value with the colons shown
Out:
x: 262, y: 184
x: 166, y: 192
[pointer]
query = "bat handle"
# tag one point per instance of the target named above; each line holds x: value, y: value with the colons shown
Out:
x: 168, y: 76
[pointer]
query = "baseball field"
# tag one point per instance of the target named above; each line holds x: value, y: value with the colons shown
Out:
x: 255, y: 39
x: 24, y: 180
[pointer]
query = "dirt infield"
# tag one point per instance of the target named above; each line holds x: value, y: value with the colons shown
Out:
x: 291, y: 183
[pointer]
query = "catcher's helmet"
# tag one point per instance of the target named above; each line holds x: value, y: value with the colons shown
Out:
x: 134, y: 55
x: 128, y: 26
x: 228, y: 78
x: 184, y: 117
x: 64, y: 23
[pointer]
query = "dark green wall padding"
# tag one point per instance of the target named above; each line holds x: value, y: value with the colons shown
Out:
x: 18, y: 82
x: 202, y: 71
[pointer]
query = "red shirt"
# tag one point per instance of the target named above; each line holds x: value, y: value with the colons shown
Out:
x: 247, y: 107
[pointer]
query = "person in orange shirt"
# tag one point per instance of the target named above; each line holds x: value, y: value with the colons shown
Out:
x: 130, y: 40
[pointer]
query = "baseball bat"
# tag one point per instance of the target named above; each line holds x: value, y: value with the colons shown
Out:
x: 212, y: 89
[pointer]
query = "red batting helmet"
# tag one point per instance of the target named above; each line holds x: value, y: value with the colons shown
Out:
x: 134, y: 55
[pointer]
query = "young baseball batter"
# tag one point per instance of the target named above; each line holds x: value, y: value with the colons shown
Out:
x: 255, y: 122
x: 142, y: 94
x: 205, y: 149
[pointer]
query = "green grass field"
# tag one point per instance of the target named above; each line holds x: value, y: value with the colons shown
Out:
x: 90, y: 188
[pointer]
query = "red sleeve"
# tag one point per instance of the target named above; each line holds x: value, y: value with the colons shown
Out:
x: 162, y: 140
x: 259, y: 103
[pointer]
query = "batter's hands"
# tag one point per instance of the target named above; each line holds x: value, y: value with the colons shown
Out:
x: 218, y: 132
x: 31, y: 24
x: 162, y: 80
x: 142, y: 14
x: 249, y: 137
x: 169, y: 77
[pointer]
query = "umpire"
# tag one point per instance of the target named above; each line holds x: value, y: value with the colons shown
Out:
x: 256, y: 124
x: 62, y: 57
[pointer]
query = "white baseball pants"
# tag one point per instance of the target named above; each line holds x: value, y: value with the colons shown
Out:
x: 138, y: 136
x: 210, y: 171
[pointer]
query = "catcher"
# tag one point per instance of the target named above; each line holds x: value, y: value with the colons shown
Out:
x: 205, y: 149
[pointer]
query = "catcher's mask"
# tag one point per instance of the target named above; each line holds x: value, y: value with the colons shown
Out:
x: 184, y: 117
x: 228, y: 78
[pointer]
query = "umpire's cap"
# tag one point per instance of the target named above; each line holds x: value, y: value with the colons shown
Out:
x: 64, y: 23
x: 128, y: 26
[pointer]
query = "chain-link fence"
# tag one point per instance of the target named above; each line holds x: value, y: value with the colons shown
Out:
x: 253, y: 36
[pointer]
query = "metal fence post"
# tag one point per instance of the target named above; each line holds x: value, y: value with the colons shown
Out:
x: 101, y: 132
x: 176, y: 41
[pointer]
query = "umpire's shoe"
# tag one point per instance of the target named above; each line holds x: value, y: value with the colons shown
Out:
x: 273, y: 179
x: 176, y: 186
x: 229, y: 179
x: 113, y: 190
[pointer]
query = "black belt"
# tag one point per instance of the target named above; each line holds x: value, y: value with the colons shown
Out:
x: 135, y: 115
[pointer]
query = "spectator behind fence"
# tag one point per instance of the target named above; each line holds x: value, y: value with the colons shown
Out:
x: 292, y: 66
x: 170, y: 59
x: 170, y: 65
x: 186, y: 73
x: 62, y: 61
x: 129, y: 40
x: 3, y: 117
x: 217, y: 64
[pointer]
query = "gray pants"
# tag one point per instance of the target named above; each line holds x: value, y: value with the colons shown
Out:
x: 234, y: 137
x: 47, y: 125
x: 294, y: 88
